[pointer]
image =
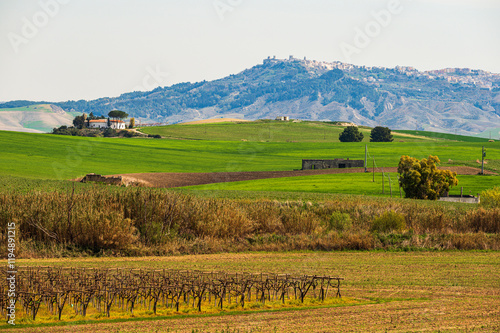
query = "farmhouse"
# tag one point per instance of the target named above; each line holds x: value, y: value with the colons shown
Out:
x: 103, y: 123
x: 283, y: 118
x: 337, y: 163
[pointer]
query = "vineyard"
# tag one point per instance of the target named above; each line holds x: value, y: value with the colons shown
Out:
x: 106, y: 290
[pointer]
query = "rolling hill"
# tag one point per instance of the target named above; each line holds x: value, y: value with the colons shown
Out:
x: 460, y: 101
x: 37, y: 118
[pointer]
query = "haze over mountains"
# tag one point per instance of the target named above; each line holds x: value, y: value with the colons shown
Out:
x: 462, y: 101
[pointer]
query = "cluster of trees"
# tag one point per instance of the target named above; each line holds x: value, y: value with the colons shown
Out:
x: 378, y: 134
x: 107, y: 133
x: 79, y: 121
x: 80, y: 126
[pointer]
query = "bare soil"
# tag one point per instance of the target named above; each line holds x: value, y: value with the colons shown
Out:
x: 170, y: 180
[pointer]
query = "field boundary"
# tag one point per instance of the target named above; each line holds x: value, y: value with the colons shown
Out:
x: 172, y: 180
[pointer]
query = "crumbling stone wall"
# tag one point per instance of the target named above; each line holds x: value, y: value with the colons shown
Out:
x: 337, y: 163
x: 92, y: 177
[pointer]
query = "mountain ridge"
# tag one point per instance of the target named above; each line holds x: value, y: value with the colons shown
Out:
x: 460, y: 100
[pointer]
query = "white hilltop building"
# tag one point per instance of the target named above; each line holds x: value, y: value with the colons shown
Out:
x: 103, y: 123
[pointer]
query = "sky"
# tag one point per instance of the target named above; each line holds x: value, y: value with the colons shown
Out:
x: 58, y: 50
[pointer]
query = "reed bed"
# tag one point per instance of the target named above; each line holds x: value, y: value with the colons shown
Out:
x: 138, y: 221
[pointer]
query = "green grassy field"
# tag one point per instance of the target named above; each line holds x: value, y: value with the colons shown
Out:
x: 355, y: 183
x: 46, y: 156
x: 266, y: 131
x: 445, y: 136
x: 35, y: 108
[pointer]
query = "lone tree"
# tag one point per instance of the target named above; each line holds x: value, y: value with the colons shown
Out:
x: 132, y: 123
x: 421, y: 179
x: 351, y: 134
x: 381, y: 134
x: 117, y: 114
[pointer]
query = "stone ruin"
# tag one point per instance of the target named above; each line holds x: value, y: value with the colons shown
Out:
x: 92, y: 177
x: 337, y: 163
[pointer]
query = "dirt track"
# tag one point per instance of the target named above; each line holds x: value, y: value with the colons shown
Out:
x: 169, y: 180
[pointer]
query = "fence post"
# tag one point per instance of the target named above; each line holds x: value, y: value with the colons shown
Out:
x: 400, y: 193
x: 374, y: 170
x: 390, y: 184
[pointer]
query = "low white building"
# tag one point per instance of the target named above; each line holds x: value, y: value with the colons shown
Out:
x: 98, y: 123
x: 103, y: 123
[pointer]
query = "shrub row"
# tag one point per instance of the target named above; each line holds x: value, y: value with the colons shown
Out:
x: 145, y: 221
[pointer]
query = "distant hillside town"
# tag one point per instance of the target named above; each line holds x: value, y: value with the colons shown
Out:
x: 480, y: 78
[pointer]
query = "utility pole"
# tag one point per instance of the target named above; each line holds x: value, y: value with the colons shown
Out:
x: 366, y: 158
x: 390, y: 183
x: 483, y: 155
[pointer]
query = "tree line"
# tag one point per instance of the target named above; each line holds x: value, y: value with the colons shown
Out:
x: 378, y: 134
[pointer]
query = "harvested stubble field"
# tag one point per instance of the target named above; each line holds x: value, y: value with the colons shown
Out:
x: 171, y: 180
x: 404, y: 292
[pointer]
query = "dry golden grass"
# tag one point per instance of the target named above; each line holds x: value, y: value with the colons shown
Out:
x: 148, y: 221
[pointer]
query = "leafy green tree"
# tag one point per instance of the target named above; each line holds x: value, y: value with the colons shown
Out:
x: 421, y: 179
x: 132, y: 123
x: 117, y: 114
x: 94, y: 117
x: 79, y: 121
x: 351, y: 134
x: 381, y: 134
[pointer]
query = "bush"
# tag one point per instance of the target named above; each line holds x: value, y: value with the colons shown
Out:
x: 109, y: 132
x: 491, y: 198
x: 388, y: 222
x: 340, y: 221
x: 421, y: 179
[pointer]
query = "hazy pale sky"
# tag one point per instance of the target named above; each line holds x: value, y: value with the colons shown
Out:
x: 57, y: 50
